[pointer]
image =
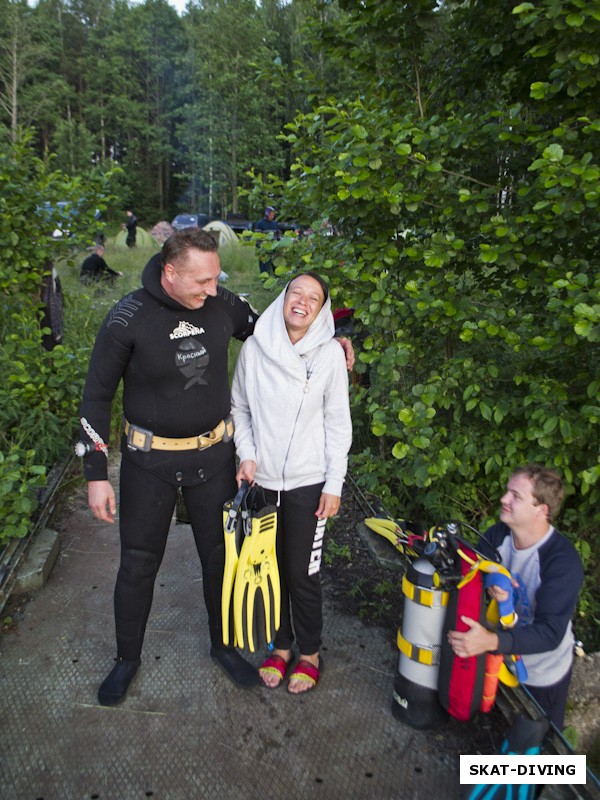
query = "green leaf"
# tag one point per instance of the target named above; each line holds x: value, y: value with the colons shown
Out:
x: 539, y: 89
x: 489, y: 256
x: 406, y: 415
x: 566, y: 429
x: 593, y: 389
x: 583, y: 328
x: 575, y: 20
x: 498, y: 415
x: 400, y: 450
x: 554, y: 152
x: 522, y: 8
x: 485, y: 410
x: 359, y: 131
x: 422, y: 442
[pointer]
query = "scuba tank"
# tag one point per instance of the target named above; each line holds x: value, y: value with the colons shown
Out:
x: 443, y: 583
x: 415, y: 699
x: 430, y: 677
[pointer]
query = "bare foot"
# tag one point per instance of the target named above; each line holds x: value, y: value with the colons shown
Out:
x: 271, y: 676
x: 298, y: 685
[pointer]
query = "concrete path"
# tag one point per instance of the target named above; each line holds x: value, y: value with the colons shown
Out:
x: 184, y: 731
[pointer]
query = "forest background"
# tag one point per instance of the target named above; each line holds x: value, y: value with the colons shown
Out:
x: 452, y: 148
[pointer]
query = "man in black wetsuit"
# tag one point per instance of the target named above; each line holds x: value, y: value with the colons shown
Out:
x: 168, y: 342
x: 131, y: 228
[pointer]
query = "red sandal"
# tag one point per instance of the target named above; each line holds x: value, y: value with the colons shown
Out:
x: 274, y: 665
x: 305, y: 671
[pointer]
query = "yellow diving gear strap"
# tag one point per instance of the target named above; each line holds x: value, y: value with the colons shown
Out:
x: 423, y: 655
x: 424, y: 597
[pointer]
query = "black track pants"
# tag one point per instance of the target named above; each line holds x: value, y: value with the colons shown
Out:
x: 299, y: 552
x: 146, y: 510
x: 553, y: 699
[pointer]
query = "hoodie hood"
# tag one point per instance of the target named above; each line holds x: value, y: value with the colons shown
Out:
x: 271, y: 336
x: 151, y: 283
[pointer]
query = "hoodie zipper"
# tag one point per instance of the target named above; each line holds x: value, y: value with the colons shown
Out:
x: 310, y: 368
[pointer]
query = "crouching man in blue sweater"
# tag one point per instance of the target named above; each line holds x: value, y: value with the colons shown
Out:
x: 547, y: 575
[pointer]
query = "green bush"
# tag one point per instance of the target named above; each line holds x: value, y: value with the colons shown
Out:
x: 467, y: 227
x: 20, y: 477
x: 40, y: 389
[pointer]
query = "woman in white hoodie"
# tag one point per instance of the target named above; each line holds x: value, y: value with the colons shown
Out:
x: 292, y: 434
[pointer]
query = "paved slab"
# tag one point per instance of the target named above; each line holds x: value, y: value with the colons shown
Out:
x: 184, y: 731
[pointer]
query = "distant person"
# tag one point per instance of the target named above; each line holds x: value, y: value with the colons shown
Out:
x: 51, y: 299
x: 95, y: 268
x: 131, y: 228
x: 268, y: 225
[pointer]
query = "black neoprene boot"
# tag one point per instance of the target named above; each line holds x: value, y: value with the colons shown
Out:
x: 240, y: 671
x: 114, y: 687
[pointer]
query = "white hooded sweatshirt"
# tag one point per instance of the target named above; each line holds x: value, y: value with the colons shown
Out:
x: 290, y: 404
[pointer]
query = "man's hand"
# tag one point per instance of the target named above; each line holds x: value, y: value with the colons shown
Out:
x: 246, y: 472
x: 348, y: 352
x: 102, y: 500
x: 329, y: 505
x: 498, y: 594
x: 474, y: 641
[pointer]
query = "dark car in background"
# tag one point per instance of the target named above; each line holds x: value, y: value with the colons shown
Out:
x: 183, y: 221
x: 238, y: 223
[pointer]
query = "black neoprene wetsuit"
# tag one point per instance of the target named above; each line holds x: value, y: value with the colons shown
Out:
x: 173, y: 363
x: 131, y: 227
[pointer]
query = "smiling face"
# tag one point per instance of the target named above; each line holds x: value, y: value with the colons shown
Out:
x: 194, y: 278
x: 303, y: 301
x: 520, y: 509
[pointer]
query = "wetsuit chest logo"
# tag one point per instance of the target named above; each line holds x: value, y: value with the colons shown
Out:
x: 191, y: 359
x: 185, y: 329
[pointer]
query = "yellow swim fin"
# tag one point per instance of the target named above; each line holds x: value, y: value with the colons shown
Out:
x: 386, y: 528
x: 396, y: 532
x: 257, y: 591
x: 233, y: 530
